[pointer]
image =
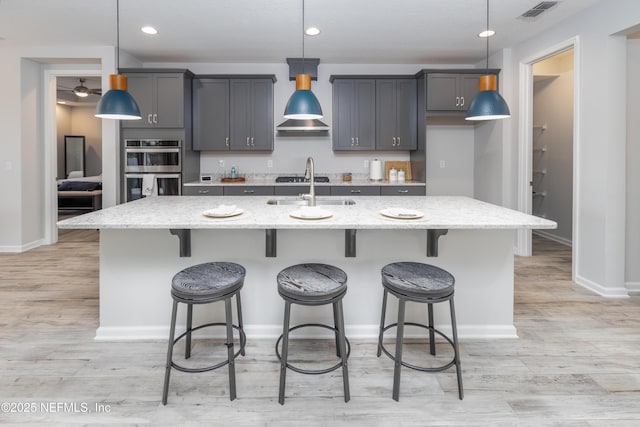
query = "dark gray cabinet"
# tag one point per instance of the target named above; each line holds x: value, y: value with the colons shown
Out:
x: 251, y: 117
x: 354, y: 114
x: 451, y: 92
x: 402, y: 190
x: 355, y: 190
x: 160, y: 97
x: 396, y: 114
x: 211, y: 114
x: 294, y: 190
x: 248, y: 190
x: 201, y: 190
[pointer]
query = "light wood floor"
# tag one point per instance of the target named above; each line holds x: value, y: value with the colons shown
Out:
x: 576, y: 363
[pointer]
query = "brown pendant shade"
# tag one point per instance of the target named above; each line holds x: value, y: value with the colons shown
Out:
x: 488, y: 82
x: 303, y: 82
x: 117, y: 82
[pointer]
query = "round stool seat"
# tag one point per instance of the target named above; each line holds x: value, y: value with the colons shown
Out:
x: 414, y: 279
x: 311, y: 282
x: 208, y: 280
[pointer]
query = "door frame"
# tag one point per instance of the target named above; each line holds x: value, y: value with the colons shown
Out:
x: 525, y: 137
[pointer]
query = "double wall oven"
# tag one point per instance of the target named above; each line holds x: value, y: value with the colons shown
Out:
x: 152, y: 160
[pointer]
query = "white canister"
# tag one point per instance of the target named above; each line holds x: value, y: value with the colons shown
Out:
x: 375, y: 170
x: 393, y: 175
x: 401, y: 175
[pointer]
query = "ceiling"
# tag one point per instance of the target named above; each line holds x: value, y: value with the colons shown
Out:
x: 261, y: 31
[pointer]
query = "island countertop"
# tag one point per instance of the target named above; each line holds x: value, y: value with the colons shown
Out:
x: 186, y: 212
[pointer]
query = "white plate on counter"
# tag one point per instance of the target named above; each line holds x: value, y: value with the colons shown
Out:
x: 401, y: 213
x: 223, y: 211
x: 311, y: 213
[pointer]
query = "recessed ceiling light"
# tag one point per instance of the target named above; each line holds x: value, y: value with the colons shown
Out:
x: 312, y: 31
x: 487, y: 33
x: 149, y: 30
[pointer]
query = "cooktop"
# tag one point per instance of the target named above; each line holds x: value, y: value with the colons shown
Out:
x: 301, y: 179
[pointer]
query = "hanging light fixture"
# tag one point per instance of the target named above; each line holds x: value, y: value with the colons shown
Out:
x: 117, y: 103
x: 488, y: 104
x: 303, y: 104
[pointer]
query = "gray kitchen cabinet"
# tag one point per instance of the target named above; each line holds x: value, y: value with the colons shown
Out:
x: 355, y: 190
x: 201, y: 190
x: 451, y: 92
x: 160, y: 95
x: 396, y: 114
x: 294, y: 190
x: 211, y: 114
x: 354, y: 114
x: 247, y: 190
x: 251, y: 114
x: 402, y: 190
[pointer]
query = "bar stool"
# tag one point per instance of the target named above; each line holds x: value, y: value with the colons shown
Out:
x: 422, y: 283
x: 203, y: 284
x: 313, y: 285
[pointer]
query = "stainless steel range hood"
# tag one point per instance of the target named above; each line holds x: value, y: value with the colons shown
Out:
x: 300, y: 66
x: 293, y: 125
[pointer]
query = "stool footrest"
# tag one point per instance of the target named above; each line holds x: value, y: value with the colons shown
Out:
x: 312, y: 371
x: 420, y: 368
x: 243, y: 341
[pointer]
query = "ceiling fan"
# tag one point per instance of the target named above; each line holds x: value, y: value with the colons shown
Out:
x: 81, y: 90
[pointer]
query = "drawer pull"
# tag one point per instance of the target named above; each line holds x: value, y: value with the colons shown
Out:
x: 203, y: 191
x: 403, y: 191
x: 355, y: 191
x: 249, y: 191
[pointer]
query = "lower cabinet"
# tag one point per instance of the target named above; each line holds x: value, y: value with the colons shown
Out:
x: 294, y: 190
x: 248, y: 190
x: 355, y: 190
x: 201, y: 190
x: 402, y: 190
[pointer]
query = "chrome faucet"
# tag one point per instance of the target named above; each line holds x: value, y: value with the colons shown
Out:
x: 310, y: 175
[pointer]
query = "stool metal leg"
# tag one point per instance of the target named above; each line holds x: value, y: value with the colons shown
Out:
x: 384, y: 310
x: 240, y: 323
x: 285, y: 351
x: 187, y: 343
x: 399, y: 340
x: 230, y: 352
x: 172, y: 332
x: 455, y: 348
x: 432, y: 335
x: 337, y: 311
x: 336, y: 325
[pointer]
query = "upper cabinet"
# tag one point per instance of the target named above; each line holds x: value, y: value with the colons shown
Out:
x: 233, y: 113
x: 160, y: 95
x: 448, y: 92
x: 396, y: 114
x: 374, y: 113
x: 354, y: 114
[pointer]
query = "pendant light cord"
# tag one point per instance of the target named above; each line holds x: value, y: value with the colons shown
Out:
x: 487, y: 66
x: 303, y: 36
x: 118, y: 36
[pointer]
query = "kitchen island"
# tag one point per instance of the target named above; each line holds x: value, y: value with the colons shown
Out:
x: 141, y: 244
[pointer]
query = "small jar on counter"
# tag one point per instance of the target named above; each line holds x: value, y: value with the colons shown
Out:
x: 393, y: 175
x: 401, y: 175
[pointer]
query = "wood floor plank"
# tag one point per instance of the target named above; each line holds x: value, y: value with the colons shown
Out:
x: 575, y: 364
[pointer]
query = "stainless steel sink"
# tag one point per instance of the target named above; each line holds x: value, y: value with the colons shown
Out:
x: 319, y: 202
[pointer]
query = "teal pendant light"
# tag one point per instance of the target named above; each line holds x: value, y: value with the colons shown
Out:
x: 117, y: 103
x: 488, y: 104
x: 303, y: 104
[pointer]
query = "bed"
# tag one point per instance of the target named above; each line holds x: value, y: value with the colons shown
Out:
x: 80, y: 193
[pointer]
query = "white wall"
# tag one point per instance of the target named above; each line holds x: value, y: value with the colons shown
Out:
x: 83, y: 122
x: 453, y: 145
x: 601, y: 135
x: 632, y: 248
x: 553, y: 107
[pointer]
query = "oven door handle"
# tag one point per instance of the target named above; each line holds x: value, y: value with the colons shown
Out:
x: 152, y: 150
x: 157, y: 175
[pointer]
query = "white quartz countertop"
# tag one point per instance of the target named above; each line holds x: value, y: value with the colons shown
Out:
x: 186, y: 212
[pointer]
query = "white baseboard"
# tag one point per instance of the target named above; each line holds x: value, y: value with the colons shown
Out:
x: 22, y: 248
x: 272, y: 332
x: 550, y: 236
x: 621, y: 292
x: 633, y: 288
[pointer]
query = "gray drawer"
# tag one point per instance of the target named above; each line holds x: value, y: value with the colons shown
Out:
x: 202, y: 190
x: 355, y: 190
x: 248, y: 190
x: 402, y: 190
x: 294, y: 190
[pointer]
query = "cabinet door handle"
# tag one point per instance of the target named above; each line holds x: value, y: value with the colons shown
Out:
x: 353, y: 140
x: 203, y: 191
x: 249, y: 191
x: 357, y: 141
x: 355, y: 191
x: 149, y: 120
x: 155, y: 119
x: 226, y: 141
x: 252, y: 144
x: 457, y: 101
x: 403, y: 191
x: 393, y: 143
x: 462, y: 98
x: 398, y: 144
x: 247, y: 141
